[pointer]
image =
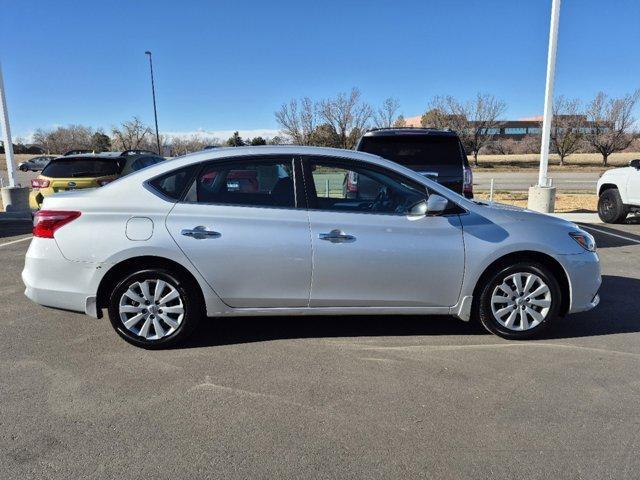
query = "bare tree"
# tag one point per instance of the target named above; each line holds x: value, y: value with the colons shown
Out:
x: 611, y: 122
x: 348, y: 115
x: 385, y: 116
x: 131, y: 135
x: 502, y: 146
x: 476, y: 121
x: 567, y: 127
x: 181, y: 145
x: 63, y: 139
x: 298, y: 122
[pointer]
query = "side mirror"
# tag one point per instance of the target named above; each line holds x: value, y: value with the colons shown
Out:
x: 418, y: 209
x: 436, y: 204
x: 635, y: 163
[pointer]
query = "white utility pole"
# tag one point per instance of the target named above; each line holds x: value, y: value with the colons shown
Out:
x: 543, y: 180
x: 8, y: 145
x: 542, y: 196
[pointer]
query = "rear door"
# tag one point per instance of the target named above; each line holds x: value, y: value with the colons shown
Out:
x: 368, y: 252
x: 240, y: 227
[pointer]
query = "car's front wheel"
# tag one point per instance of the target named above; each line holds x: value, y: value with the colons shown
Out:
x: 519, y: 301
x: 610, y: 207
x: 155, y: 308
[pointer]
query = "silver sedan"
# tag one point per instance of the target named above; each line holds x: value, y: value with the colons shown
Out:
x: 271, y: 231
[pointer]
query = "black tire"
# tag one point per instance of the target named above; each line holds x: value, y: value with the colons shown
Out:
x: 189, y: 300
x: 610, y: 207
x: 483, y: 307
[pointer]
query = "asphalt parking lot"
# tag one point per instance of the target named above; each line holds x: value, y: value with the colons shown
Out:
x: 385, y: 397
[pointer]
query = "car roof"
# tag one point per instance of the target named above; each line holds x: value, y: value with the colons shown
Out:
x: 226, y: 152
x: 390, y: 132
x: 108, y: 156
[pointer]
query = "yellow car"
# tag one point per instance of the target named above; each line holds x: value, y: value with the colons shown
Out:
x: 73, y: 172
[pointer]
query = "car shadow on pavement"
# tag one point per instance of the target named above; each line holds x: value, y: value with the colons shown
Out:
x: 614, y: 239
x: 226, y: 331
x: 617, y: 313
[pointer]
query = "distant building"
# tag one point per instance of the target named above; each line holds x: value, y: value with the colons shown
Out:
x: 514, y: 129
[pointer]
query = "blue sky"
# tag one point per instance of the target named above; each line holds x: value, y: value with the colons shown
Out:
x: 229, y: 65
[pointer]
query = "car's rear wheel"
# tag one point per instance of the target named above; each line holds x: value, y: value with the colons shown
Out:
x: 519, y: 301
x: 610, y: 207
x: 155, y: 308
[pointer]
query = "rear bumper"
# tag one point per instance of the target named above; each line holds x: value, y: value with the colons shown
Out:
x: 53, y: 281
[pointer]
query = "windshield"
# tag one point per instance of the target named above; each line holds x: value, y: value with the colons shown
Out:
x: 411, y: 150
x: 81, y: 167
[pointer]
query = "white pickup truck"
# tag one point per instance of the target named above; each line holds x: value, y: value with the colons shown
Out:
x: 619, y: 193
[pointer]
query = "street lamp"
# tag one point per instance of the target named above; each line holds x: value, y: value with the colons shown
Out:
x: 542, y: 196
x: 153, y: 93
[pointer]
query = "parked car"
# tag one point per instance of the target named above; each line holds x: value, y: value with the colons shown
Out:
x: 619, y: 193
x: 86, y: 171
x: 165, y: 246
x: 436, y: 154
x: 78, y: 151
x: 35, y: 164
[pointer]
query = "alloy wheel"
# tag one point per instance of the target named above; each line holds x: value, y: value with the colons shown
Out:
x: 151, y: 309
x: 521, y: 302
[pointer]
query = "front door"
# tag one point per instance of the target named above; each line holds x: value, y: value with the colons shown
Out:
x: 240, y: 227
x: 367, y: 251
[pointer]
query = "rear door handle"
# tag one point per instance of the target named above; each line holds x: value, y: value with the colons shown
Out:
x: 200, y: 233
x: 337, y: 236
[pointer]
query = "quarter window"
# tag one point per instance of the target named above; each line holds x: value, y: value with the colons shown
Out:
x: 173, y: 184
x: 352, y: 188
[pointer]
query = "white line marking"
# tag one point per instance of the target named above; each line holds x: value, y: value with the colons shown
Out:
x: 16, y: 241
x: 612, y: 234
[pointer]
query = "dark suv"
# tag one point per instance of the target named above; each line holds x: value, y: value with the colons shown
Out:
x: 437, y: 154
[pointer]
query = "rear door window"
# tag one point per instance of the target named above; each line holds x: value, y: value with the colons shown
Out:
x: 82, y: 167
x: 247, y: 182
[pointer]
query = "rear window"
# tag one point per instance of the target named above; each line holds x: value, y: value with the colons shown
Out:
x: 412, y: 150
x: 144, y: 162
x: 81, y: 167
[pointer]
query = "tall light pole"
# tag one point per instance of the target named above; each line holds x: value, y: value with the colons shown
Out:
x: 153, y: 93
x: 542, y: 196
x: 8, y: 145
x: 14, y: 198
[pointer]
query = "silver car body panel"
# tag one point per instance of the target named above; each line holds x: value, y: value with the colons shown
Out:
x: 259, y: 265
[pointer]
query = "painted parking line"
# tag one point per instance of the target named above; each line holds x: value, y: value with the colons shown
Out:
x: 629, y: 239
x: 16, y: 241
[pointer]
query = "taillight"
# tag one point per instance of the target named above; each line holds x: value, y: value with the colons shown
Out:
x: 39, y: 183
x: 46, y: 222
x: 352, y: 182
x: 467, y: 182
x: 102, y: 183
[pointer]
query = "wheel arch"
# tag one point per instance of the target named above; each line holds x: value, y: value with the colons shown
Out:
x: 607, y: 186
x: 527, y: 255
x: 129, y: 265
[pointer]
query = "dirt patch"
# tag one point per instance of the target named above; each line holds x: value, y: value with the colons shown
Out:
x: 565, y: 202
x: 578, y: 162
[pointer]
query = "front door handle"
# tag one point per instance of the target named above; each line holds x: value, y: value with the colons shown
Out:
x: 200, y: 233
x: 337, y: 236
